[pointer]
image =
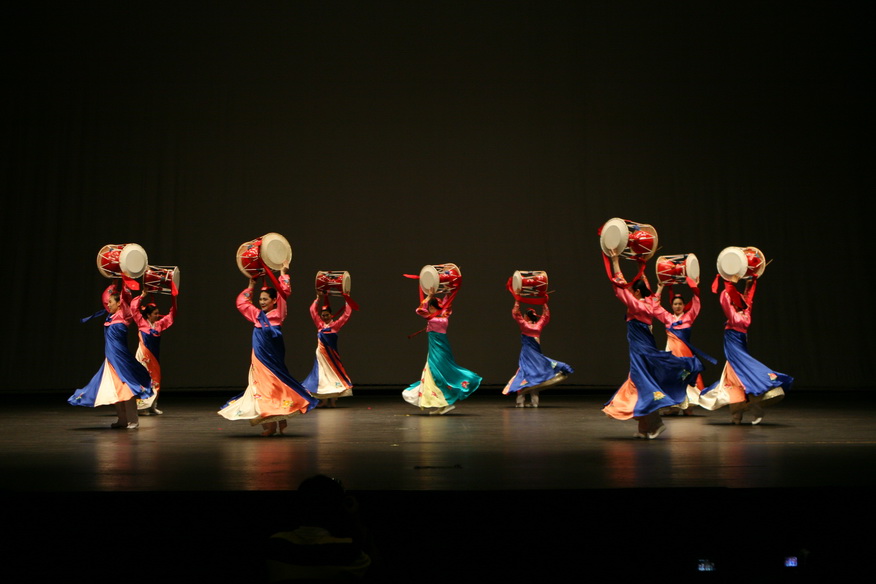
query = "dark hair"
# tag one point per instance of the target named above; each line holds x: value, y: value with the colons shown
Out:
x: 642, y: 288
x: 148, y: 309
x: 532, y: 315
x: 435, y: 302
x: 272, y: 292
x: 678, y: 296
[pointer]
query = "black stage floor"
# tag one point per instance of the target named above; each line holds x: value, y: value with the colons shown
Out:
x: 487, y: 491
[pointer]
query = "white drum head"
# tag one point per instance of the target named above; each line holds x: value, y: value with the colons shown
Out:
x: 342, y: 275
x: 613, y: 237
x: 517, y: 282
x: 275, y: 250
x: 692, y: 267
x: 429, y: 279
x: 732, y: 263
x: 176, y: 277
x: 133, y: 261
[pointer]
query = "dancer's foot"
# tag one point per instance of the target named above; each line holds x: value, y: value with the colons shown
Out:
x: 133, y: 425
x: 118, y: 424
x: 281, y: 426
x: 756, y: 411
x: 269, y: 428
x: 155, y: 410
x: 660, y: 429
x: 446, y: 409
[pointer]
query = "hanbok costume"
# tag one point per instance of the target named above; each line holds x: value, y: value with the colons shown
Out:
x: 120, y: 377
x: 328, y: 378
x: 272, y: 393
x: 678, y: 335
x: 745, y: 381
x: 657, y: 379
x: 535, y: 371
x: 149, y: 348
x: 443, y: 382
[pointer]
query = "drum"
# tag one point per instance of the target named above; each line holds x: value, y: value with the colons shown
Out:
x: 270, y: 250
x: 158, y: 279
x: 737, y: 263
x: 115, y: 261
x: 756, y: 262
x: 530, y: 284
x: 442, y: 278
x: 333, y: 283
x: 676, y: 269
x: 628, y: 239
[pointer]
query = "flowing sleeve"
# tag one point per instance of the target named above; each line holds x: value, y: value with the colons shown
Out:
x: 423, y: 308
x: 137, y: 315
x: 342, y: 320
x: 695, y: 305
x: 125, y: 305
x: 625, y: 296
x: 166, y: 321
x: 285, y: 286
x: 515, y: 313
x: 246, y: 307
x: 727, y: 305
x: 314, y: 315
x: 662, y: 314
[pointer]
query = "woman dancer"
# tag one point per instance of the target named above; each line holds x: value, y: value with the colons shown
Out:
x: 120, y: 379
x: 328, y: 379
x: 746, y: 384
x: 657, y: 379
x: 678, y: 332
x: 150, y: 325
x: 534, y: 370
x: 272, y: 394
x: 443, y: 382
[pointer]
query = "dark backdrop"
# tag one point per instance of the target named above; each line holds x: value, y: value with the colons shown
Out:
x: 379, y: 137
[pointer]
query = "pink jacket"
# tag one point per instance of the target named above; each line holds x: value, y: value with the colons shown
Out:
x: 276, y: 316
x: 123, y: 314
x: 335, y: 325
x: 736, y: 320
x: 161, y: 325
x: 686, y: 320
x: 527, y: 327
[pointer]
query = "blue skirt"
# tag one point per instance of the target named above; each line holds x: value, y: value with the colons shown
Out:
x: 533, y: 368
x: 661, y: 378
x: 756, y: 378
x: 128, y: 370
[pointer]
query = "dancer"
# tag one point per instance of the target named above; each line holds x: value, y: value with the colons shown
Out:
x: 120, y: 379
x: 328, y: 379
x: 150, y: 325
x: 534, y: 370
x: 657, y: 379
x: 272, y: 394
x: 746, y: 384
x: 678, y: 333
x: 443, y: 382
